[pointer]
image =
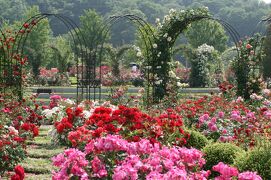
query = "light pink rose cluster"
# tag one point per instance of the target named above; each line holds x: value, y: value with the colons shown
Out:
x: 71, y: 161
x: 227, y: 173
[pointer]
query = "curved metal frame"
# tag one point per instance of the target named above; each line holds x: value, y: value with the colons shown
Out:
x: 74, y: 31
x: 145, y: 30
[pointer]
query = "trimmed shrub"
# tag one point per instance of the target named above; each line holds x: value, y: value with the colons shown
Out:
x: 196, y: 140
x: 257, y: 159
x: 221, y: 152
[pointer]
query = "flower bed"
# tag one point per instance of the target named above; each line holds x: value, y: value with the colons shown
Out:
x: 114, y: 157
x: 19, y: 122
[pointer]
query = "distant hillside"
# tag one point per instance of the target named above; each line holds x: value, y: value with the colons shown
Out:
x: 242, y: 14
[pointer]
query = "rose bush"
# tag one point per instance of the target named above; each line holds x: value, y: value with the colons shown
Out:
x: 115, y: 158
x: 19, y: 121
x: 80, y: 123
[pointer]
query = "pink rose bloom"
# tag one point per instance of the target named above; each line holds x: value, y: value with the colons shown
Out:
x: 249, y: 176
x: 214, y: 128
x: 55, y: 97
x: 213, y: 120
x: 251, y: 115
x: 221, y: 114
x: 235, y: 115
x: 154, y: 175
x: 206, y: 117
x: 98, y: 168
x: 225, y: 170
x: 267, y: 114
x: 70, y: 158
x: 248, y: 46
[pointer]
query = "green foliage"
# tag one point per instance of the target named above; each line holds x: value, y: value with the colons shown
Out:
x: 248, y: 66
x: 196, y: 140
x: 92, y: 28
x: 62, y: 54
x: 10, y: 157
x: 220, y: 152
x: 115, y: 55
x: 257, y: 159
x: 207, y: 32
x: 12, y: 10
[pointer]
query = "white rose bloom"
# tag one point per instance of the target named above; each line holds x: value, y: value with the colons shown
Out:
x: 159, y: 54
x: 139, y: 54
x: 158, y: 82
x: 69, y: 101
x: 87, y: 114
x: 179, y: 84
x: 159, y: 25
x: 172, y: 74
x: 154, y: 46
x: 166, y: 18
x: 157, y: 20
x: 169, y: 39
x: 172, y: 11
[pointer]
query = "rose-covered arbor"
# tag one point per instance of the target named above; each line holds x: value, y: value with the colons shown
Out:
x: 166, y: 34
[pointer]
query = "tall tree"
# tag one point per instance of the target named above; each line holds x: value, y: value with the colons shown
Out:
x: 207, y: 32
x: 92, y: 25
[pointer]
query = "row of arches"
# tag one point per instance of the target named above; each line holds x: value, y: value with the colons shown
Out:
x: 89, y: 79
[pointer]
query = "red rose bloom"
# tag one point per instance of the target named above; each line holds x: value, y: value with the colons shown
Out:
x: 35, y: 131
x: 25, y: 126
x: 15, y: 177
x: 19, y: 170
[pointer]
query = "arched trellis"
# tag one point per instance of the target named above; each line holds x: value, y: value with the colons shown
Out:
x: 174, y: 24
x: 96, y: 53
x: 20, y: 40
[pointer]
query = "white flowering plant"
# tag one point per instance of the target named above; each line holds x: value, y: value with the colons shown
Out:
x: 206, y: 67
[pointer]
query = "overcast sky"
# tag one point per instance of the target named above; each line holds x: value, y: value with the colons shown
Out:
x: 267, y: 1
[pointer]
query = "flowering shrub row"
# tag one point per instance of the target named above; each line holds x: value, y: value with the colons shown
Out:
x: 114, y: 157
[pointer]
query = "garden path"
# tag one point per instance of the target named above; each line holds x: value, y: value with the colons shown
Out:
x: 38, y: 164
